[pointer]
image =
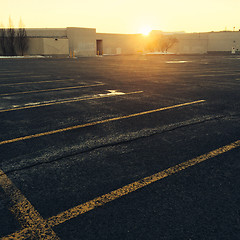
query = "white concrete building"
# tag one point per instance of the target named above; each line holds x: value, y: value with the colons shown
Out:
x: 86, y: 42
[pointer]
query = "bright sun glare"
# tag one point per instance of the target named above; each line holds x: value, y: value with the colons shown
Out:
x: 145, y: 30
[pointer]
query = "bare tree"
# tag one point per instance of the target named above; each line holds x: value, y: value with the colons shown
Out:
x: 167, y: 43
x: 152, y: 44
x: 160, y: 43
x: 3, y: 39
x: 11, y: 38
x: 22, y: 39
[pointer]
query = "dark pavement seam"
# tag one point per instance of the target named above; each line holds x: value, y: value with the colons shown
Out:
x: 121, y: 142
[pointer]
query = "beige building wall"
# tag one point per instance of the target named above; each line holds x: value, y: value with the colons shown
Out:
x: 191, y: 43
x: 55, y: 46
x: 47, y: 41
x: 82, y: 41
x: 48, y: 46
x: 35, y: 46
x: 223, y: 41
x: 121, y: 43
x: 47, y: 32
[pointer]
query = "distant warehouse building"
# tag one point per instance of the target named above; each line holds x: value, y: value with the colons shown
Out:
x: 86, y: 42
x: 62, y: 41
x: 208, y: 43
x: 81, y: 42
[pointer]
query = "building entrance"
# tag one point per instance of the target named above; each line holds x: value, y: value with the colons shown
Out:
x: 99, y: 47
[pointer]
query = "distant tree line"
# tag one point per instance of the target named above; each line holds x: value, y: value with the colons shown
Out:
x: 13, y: 41
x: 160, y: 43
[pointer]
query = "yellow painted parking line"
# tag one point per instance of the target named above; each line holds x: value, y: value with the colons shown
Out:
x: 98, y: 122
x: 51, y: 89
x: 100, y: 201
x: 25, y: 213
x: 24, y: 83
x: 22, y: 234
x: 217, y: 75
x: 66, y: 101
x: 132, y: 187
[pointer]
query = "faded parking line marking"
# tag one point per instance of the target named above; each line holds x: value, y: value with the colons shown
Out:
x: 98, y: 122
x: 132, y: 187
x: 51, y: 89
x: 23, y: 83
x: 217, y: 75
x: 98, y: 96
x: 100, y: 201
x: 28, y: 217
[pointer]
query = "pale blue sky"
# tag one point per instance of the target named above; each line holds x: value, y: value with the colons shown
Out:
x: 125, y: 16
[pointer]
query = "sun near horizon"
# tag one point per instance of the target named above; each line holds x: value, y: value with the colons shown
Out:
x: 145, y: 30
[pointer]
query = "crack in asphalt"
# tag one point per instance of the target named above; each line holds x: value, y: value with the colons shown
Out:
x: 112, y: 144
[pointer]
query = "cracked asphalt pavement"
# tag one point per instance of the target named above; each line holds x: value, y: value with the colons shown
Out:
x: 82, y: 141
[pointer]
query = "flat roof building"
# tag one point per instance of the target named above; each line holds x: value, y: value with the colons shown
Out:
x: 79, y: 42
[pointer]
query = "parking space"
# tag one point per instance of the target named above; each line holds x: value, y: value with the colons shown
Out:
x: 131, y: 147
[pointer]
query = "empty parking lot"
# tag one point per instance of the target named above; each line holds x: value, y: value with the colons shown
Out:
x: 120, y: 147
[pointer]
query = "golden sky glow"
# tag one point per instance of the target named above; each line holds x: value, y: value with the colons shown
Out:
x: 145, y: 30
x: 125, y: 16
